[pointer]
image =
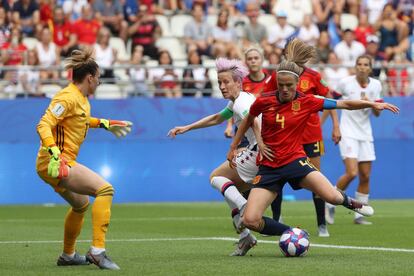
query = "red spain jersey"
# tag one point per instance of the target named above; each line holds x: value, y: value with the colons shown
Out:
x: 267, y: 84
x: 311, y: 82
x: 86, y: 30
x: 283, y: 125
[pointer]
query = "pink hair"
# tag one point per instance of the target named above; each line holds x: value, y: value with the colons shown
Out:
x: 235, y: 66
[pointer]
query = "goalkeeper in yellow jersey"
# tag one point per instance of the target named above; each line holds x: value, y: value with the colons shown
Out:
x: 62, y: 130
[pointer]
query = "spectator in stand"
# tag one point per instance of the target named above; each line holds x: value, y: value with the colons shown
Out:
x: 4, y: 27
x: 105, y: 56
x: 62, y: 33
x: 281, y: 31
x: 308, y: 32
x: 48, y: 55
x: 224, y: 37
x: 254, y: 32
x: 377, y: 57
x: 86, y: 28
x: 165, y: 79
x: 145, y: 32
x: 111, y: 15
x: 274, y: 59
x: 138, y: 73
x: 323, y: 47
x: 29, y: 79
x: 295, y: 10
x: 363, y: 30
x: 46, y: 8
x: 195, y: 80
x: 26, y: 14
x: 348, y: 6
x: 13, y: 53
x: 333, y: 75
x: 398, y: 78
x: 373, y: 9
x: 323, y: 11
x: 407, y: 47
x: 197, y: 32
x: 73, y: 9
x: 393, y: 31
x: 348, y: 50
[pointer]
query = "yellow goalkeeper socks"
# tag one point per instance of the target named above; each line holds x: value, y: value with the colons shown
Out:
x: 101, y: 214
x: 73, y: 225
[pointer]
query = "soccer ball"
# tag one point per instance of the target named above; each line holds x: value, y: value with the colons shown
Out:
x: 294, y: 242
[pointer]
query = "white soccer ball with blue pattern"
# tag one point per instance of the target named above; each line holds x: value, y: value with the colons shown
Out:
x: 294, y: 242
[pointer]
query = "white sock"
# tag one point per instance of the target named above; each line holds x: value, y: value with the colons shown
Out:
x: 97, y: 250
x: 361, y: 198
x: 68, y: 256
x: 232, y: 196
x: 244, y: 233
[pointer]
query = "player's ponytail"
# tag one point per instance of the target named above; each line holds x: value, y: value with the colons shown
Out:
x: 299, y: 52
x: 81, y: 63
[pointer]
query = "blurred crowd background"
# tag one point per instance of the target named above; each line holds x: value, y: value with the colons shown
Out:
x: 167, y: 48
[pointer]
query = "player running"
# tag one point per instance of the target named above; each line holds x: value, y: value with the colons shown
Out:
x: 310, y: 82
x: 284, y: 118
x: 357, y: 145
x: 228, y: 181
x: 62, y: 130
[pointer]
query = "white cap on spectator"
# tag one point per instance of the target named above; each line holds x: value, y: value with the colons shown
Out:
x: 372, y: 39
x: 281, y: 13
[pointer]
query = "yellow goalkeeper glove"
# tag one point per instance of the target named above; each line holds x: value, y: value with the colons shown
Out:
x: 118, y: 128
x: 57, y: 165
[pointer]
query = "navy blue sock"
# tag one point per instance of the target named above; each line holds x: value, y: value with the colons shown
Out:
x: 277, y: 206
x: 272, y: 227
x: 320, y: 209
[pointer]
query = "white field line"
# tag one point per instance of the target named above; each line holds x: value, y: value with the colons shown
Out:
x: 372, y: 248
x: 22, y: 220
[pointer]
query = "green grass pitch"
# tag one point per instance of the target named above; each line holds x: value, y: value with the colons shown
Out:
x: 195, y: 239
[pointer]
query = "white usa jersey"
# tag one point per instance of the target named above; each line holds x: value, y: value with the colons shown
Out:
x: 356, y: 123
x: 240, y: 108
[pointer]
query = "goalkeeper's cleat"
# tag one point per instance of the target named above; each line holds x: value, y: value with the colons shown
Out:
x: 329, y: 214
x: 362, y: 221
x: 118, y: 128
x: 102, y: 261
x: 76, y: 260
x: 357, y: 206
x: 244, y: 245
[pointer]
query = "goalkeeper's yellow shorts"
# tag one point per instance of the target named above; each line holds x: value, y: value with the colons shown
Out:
x: 41, y: 168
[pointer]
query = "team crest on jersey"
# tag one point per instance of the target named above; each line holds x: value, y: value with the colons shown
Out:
x: 296, y: 106
x: 304, y: 85
x: 256, y: 179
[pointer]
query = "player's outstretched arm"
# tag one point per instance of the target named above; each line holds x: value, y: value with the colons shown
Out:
x: 208, y: 121
x: 360, y: 104
x: 118, y: 128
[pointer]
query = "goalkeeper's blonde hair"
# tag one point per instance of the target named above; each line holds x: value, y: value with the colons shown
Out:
x: 81, y: 63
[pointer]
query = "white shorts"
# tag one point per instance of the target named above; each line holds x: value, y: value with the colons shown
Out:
x: 361, y: 150
x: 246, y: 165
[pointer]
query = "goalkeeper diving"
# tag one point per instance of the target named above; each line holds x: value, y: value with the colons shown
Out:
x: 62, y: 130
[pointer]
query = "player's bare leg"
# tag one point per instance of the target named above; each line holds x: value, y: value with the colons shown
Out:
x: 320, y: 185
x: 351, y: 171
x: 84, y: 181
